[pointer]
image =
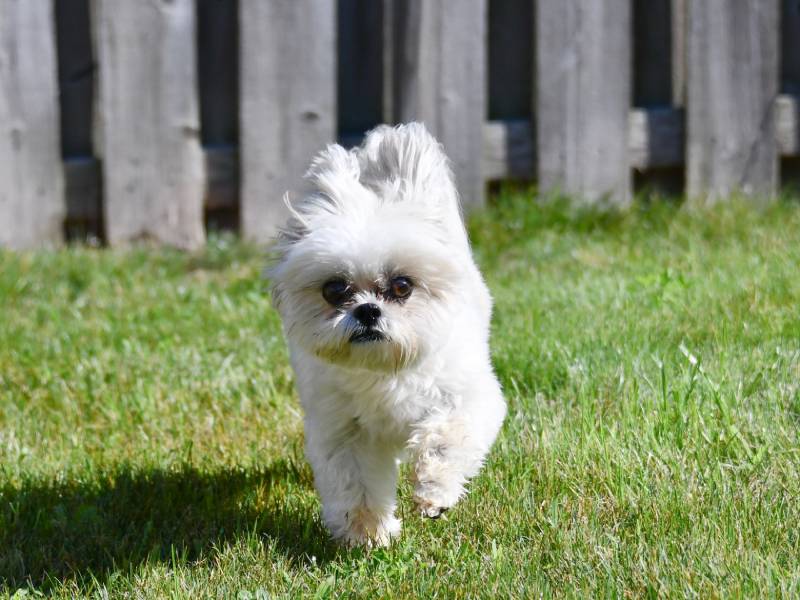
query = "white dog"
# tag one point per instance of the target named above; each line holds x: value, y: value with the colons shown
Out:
x: 387, y: 319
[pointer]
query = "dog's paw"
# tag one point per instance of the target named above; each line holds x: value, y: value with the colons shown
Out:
x: 366, y: 529
x: 430, y: 510
x: 434, y: 505
x: 434, y: 500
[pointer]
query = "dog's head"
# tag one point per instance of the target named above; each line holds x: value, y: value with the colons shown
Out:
x: 370, y: 266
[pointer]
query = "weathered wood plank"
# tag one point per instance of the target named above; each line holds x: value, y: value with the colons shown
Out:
x: 655, y: 140
x: 32, y: 205
x: 84, y: 184
x: 583, y: 94
x: 440, y: 79
x: 679, y: 18
x: 288, y: 102
x: 787, y: 124
x: 733, y: 83
x: 149, y: 120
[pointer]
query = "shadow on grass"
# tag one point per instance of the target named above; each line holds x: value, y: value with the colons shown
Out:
x: 72, y: 529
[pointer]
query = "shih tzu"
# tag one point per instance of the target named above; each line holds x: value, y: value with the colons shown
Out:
x: 387, y: 320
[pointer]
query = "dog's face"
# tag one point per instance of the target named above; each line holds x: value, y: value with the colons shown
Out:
x: 369, y: 272
x: 375, y: 293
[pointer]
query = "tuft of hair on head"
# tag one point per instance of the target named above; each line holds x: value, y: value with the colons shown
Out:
x: 411, y: 155
x: 402, y: 164
x: 407, y: 164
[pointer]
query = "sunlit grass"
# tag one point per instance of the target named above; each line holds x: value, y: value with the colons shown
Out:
x: 151, y: 440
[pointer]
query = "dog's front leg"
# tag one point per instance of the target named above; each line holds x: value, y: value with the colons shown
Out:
x: 451, y: 444
x: 356, y: 478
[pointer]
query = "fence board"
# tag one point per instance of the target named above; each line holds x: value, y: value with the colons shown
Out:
x: 583, y: 93
x: 787, y: 124
x: 288, y: 102
x: 32, y: 205
x: 655, y: 141
x: 733, y: 83
x: 149, y: 125
x: 679, y: 19
x: 440, y: 79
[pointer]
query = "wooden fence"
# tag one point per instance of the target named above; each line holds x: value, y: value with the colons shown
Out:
x: 151, y: 119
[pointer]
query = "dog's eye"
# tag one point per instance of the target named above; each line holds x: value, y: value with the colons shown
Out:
x: 336, y: 291
x: 400, y: 287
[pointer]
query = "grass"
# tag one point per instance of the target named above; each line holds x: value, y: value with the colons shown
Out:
x: 151, y: 441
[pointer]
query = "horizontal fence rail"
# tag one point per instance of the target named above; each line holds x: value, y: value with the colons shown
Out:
x: 153, y: 120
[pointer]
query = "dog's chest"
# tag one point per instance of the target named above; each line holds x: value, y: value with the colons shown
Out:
x: 392, y: 406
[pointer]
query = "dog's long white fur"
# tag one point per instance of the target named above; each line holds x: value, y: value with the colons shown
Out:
x: 426, y: 391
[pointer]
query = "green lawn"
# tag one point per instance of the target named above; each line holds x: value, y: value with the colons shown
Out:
x: 151, y: 440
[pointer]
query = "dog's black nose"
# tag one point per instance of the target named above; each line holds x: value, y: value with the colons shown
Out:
x: 367, y: 314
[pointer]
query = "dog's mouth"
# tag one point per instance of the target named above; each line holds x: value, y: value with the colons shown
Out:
x: 366, y: 336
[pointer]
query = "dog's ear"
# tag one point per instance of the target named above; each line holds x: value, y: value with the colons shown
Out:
x: 411, y: 155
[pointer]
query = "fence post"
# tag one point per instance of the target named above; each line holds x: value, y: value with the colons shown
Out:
x: 583, y: 96
x: 148, y: 119
x: 32, y: 205
x: 733, y: 83
x: 288, y: 102
x: 440, y: 79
